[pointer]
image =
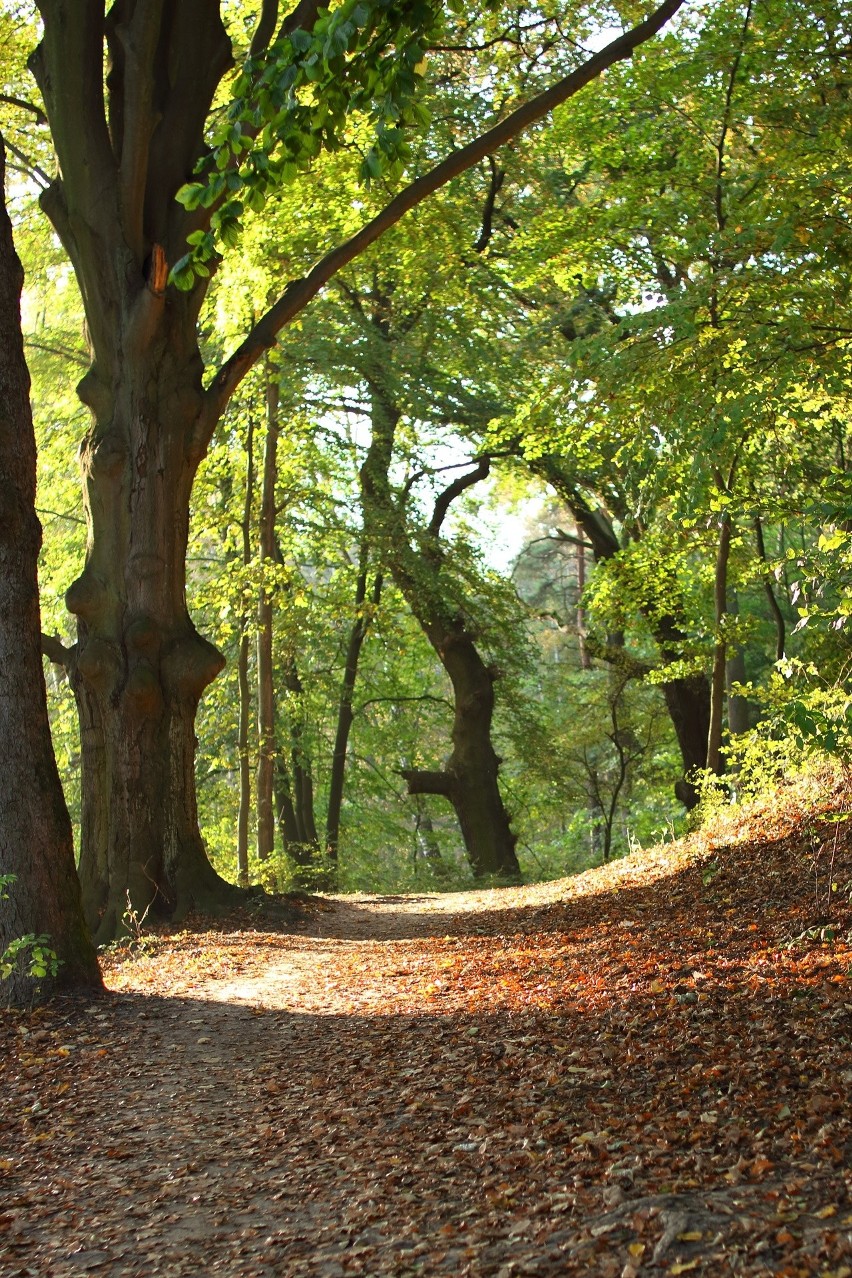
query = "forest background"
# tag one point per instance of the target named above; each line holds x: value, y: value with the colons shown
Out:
x: 573, y: 434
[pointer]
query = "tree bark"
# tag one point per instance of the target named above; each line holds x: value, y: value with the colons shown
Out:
x: 36, y: 845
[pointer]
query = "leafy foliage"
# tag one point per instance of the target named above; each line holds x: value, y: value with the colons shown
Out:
x: 33, y: 953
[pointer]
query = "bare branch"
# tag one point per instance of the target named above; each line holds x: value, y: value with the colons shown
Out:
x: 60, y: 514
x: 57, y: 349
x: 29, y: 166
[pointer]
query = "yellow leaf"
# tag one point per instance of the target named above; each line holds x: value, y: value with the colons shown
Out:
x: 636, y: 1249
x: 684, y: 1268
x: 825, y: 1212
x: 694, y: 1235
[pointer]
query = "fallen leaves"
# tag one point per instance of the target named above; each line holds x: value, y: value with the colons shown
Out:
x: 638, y: 1075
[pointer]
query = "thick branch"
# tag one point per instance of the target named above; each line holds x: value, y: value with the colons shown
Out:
x: 427, y: 782
x: 299, y: 292
x: 68, y: 69
x: 139, y: 40
x: 55, y: 651
x: 265, y: 29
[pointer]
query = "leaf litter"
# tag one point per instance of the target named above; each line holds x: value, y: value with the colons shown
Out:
x: 641, y: 1070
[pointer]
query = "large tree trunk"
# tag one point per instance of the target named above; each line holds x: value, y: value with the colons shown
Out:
x: 139, y: 667
x: 36, y: 846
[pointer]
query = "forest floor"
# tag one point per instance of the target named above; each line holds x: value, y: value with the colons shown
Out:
x: 645, y: 1069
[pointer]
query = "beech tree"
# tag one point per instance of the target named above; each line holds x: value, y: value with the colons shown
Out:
x: 41, y: 895
x: 128, y: 93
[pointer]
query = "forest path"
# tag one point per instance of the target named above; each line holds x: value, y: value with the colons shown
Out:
x: 623, y: 1074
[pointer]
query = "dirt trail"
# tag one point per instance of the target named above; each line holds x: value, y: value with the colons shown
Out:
x: 541, y: 1081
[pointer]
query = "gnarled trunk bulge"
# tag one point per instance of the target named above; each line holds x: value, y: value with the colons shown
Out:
x: 36, y: 846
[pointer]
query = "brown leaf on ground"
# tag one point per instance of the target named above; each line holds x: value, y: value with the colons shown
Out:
x: 641, y: 1070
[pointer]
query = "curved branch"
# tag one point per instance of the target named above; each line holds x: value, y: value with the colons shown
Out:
x: 265, y: 28
x: 10, y: 100
x: 300, y: 291
x: 454, y: 490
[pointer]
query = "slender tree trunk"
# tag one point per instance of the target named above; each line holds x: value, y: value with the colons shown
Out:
x: 424, y: 835
x: 720, y: 650
x: 735, y: 672
x: 285, y: 810
x: 294, y: 793
x: 266, y: 747
x: 244, y: 815
x: 585, y: 658
x: 345, y: 715
x: 774, y: 607
x: 36, y: 845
